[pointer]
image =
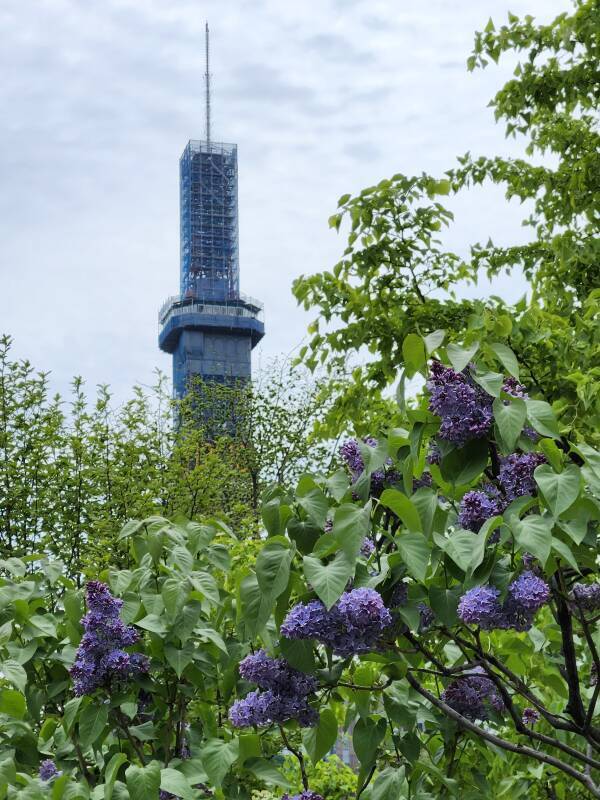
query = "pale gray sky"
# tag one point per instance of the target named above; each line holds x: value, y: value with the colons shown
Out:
x: 323, y: 97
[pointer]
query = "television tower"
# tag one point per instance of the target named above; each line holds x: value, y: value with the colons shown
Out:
x: 210, y: 327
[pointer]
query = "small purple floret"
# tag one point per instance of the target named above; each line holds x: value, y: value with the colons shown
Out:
x: 307, y: 794
x: 367, y: 547
x: 530, y: 717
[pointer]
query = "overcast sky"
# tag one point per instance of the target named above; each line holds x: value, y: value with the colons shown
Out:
x: 323, y: 97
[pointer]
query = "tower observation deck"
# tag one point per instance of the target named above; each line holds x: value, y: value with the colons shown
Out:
x: 210, y: 327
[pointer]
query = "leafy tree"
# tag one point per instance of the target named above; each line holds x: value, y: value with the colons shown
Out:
x: 467, y: 628
x: 72, y: 474
x: 395, y: 278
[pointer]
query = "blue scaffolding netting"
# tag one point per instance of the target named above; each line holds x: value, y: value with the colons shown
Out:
x: 209, y: 221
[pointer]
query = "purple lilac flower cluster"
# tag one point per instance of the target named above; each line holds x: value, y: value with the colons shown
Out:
x: 587, y: 595
x: 48, y: 770
x: 101, y: 660
x: 516, y: 474
x: 354, y: 625
x: 515, y: 479
x: 526, y: 595
x: 465, y: 408
x: 479, y: 505
x: 307, y: 794
x: 282, y: 695
x: 351, y: 454
x: 473, y: 696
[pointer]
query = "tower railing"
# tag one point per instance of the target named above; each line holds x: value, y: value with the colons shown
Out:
x: 177, y: 306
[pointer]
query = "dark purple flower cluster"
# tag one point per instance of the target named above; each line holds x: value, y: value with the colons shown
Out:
x: 101, y: 660
x: 48, y: 770
x: 351, y: 454
x: 425, y: 481
x: 399, y: 595
x: 426, y: 617
x: 473, y: 696
x: 516, y: 474
x: 434, y: 454
x: 479, y: 505
x: 525, y: 596
x: 530, y: 717
x: 480, y: 606
x: 354, y: 625
x: 276, y: 674
x: 515, y: 479
x: 512, y: 387
x: 282, y: 694
x: 465, y: 408
x: 163, y: 795
x: 305, y: 795
x: 587, y: 595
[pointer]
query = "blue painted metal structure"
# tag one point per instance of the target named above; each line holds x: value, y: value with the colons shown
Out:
x: 210, y: 328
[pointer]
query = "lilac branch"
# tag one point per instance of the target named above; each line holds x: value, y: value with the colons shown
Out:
x: 504, y: 744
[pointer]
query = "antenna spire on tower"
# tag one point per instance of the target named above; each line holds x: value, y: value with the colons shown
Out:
x: 207, y: 80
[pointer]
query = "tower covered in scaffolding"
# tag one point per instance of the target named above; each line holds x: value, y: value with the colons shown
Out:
x: 210, y: 327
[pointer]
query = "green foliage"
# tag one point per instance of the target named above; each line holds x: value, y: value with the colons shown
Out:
x: 70, y: 479
x: 396, y: 280
x: 404, y: 735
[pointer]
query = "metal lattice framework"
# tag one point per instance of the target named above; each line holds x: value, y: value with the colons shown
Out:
x: 209, y: 221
